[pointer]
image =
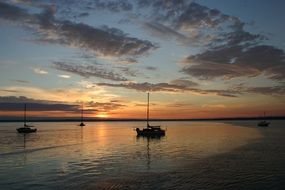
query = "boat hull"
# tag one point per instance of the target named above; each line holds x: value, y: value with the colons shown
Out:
x: 150, y: 132
x: 26, y: 130
x: 263, y: 124
x: 82, y: 124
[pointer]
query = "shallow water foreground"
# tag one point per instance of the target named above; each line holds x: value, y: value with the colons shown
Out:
x: 108, y: 155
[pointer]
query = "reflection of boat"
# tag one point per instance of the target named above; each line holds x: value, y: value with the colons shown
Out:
x: 150, y: 130
x: 263, y: 123
x: 27, y: 128
x: 150, y: 140
x: 82, y: 124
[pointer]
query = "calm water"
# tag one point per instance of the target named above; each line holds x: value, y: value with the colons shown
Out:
x: 108, y: 155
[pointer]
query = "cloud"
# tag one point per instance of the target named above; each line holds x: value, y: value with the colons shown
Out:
x: 237, y: 61
x: 180, y: 86
x: 14, y: 103
x: 277, y: 90
x: 12, y: 13
x: 272, y: 90
x: 88, y: 71
x: 104, y: 41
x: 183, y: 82
x: 144, y: 87
x: 188, y: 21
x: 64, y: 76
x: 151, y: 68
x: 21, y: 81
x: 40, y: 71
x: 199, y: 16
x: 127, y: 71
x: 105, y: 106
x: 164, y: 32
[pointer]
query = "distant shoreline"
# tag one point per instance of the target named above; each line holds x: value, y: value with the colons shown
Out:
x: 131, y: 120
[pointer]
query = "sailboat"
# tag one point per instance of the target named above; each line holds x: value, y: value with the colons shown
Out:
x: 27, y: 128
x: 263, y: 123
x: 81, y: 124
x: 150, y: 131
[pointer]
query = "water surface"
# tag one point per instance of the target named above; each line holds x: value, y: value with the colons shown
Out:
x: 108, y: 155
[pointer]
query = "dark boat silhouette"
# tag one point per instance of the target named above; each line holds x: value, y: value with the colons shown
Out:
x: 150, y: 131
x: 27, y: 128
x: 81, y: 123
x: 263, y: 123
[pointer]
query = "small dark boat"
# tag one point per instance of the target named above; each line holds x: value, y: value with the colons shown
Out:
x: 263, y: 123
x: 82, y: 124
x: 27, y: 128
x: 150, y: 131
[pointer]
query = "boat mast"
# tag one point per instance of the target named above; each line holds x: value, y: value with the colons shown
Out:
x: 82, y: 113
x: 264, y: 114
x: 147, y: 113
x: 25, y: 116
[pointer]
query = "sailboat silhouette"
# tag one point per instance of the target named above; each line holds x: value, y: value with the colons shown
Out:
x: 81, y: 124
x: 150, y: 131
x: 263, y: 123
x: 27, y: 128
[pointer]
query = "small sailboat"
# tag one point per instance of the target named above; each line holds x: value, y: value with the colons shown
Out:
x: 81, y: 123
x: 27, y: 128
x: 150, y: 131
x: 263, y: 123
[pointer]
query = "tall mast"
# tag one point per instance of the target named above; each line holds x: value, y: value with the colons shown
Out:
x: 82, y: 113
x: 147, y: 113
x: 25, y: 117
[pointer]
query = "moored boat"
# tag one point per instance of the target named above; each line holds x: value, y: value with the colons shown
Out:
x: 27, y: 128
x: 150, y: 131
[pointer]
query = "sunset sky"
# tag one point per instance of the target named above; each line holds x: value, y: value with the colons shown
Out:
x: 198, y: 59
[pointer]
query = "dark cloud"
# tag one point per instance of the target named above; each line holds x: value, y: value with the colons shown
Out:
x: 165, y: 32
x: 237, y: 61
x: 195, y: 24
x: 88, y: 71
x: 12, y: 13
x: 200, y: 16
x: 151, y: 68
x: 13, y: 103
x: 277, y: 90
x: 21, y: 81
x: 183, y: 86
x: 103, y: 41
x: 183, y: 82
x: 148, y: 86
x: 127, y: 71
x: 274, y: 90
x: 114, y: 6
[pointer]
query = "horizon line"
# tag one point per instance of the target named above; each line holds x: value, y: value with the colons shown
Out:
x: 52, y: 119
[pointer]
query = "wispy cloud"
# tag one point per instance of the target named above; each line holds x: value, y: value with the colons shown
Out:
x: 88, y: 71
x: 181, y: 86
x: 16, y: 103
x: 64, y: 76
x: 236, y: 61
x: 40, y: 71
x: 104, y: 41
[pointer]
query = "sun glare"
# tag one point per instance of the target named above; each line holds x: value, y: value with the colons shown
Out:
x: 102, y: 115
